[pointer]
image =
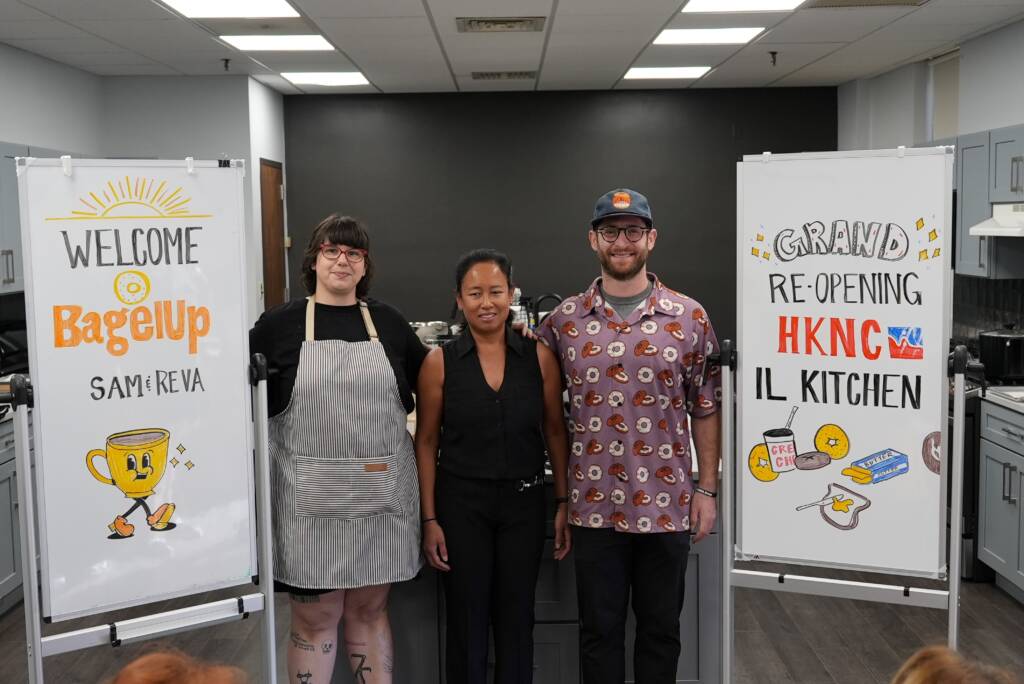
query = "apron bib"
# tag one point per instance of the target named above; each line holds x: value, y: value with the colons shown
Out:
x: 343, y: 469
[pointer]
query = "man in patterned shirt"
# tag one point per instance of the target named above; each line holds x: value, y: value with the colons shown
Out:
x: 634, y: 358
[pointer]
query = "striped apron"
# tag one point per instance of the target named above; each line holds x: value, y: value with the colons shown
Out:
x: 343, y: 469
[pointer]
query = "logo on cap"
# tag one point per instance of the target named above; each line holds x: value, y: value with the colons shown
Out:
x: 621, y: 200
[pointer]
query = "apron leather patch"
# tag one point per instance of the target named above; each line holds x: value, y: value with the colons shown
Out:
x: 375, y: 467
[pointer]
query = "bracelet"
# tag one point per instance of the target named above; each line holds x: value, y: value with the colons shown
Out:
x: 561, y: 500
x: 705, y: 492
x: 426, y: 520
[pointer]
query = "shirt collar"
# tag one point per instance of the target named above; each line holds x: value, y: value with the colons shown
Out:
x: 465, y: 343
x: 593, y: 302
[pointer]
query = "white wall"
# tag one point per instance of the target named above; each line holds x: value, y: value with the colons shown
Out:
x: 992, y: 80
x: 886, y: 111
x: 266, y: 136
x: 48, y: 104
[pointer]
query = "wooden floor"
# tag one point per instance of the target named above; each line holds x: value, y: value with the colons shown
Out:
x: 779, y: 637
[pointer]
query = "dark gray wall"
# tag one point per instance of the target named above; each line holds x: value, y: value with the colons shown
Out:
x: 437, y: 175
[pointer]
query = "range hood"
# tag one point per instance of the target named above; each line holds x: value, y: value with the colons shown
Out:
x: 1007, y: 221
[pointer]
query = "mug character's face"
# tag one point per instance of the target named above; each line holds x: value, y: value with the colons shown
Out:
x: 137, y: 460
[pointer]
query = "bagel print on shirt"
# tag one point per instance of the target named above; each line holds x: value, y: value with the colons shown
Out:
x: 633, y: 384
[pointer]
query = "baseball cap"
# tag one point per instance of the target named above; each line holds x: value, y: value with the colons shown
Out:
x: 622, y: 202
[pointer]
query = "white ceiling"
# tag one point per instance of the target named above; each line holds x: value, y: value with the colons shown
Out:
x: 407, y: 46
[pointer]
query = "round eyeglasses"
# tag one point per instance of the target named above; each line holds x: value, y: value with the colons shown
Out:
x: 611, y: 233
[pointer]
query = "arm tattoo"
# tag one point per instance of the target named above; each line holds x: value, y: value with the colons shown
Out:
x: 389, y: 664
x: 304, y: 677
x: 361, y: 668
x: 300, y: 643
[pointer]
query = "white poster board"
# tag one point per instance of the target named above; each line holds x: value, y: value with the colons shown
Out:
x: 844, y: 310
x: 138, y: 350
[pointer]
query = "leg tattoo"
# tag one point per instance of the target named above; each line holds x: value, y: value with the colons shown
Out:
x: 304, y: 677
x: 361, y: 668
x: 301, y: 644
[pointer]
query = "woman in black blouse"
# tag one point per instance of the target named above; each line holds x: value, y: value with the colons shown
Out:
x: 343, y: 475
x: 489, y: 400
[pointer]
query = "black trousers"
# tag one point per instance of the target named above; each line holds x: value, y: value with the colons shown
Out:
x: 495, y: 537
x: 610, y: 566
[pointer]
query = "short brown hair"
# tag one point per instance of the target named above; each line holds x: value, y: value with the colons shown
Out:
x: 940, y: 665
x: 337, y: 230
x: 170, y: 666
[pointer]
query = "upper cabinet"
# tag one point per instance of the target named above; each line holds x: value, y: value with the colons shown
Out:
x: 12, y: 275
x: 1006, y: 177
x: 973, y: 207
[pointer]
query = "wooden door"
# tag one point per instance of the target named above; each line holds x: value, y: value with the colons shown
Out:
x: 272, y: 209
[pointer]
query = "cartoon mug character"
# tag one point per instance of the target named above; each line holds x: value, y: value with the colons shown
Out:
x: 136, y: 460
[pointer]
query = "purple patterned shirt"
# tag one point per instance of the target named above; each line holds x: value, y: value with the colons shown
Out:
x: 632, y: 385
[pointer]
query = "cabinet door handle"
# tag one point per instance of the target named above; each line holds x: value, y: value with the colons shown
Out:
x: 1013, y: 433
x: 1002, y: 488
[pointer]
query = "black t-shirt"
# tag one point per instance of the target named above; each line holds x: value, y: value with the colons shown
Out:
x: 280, y: 332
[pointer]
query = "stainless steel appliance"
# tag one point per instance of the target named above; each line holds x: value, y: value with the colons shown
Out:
x: 1002, y: 352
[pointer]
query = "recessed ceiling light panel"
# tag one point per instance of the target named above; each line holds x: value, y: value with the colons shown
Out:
x: 742, y: 5
x: 232, y: 9
x: 718, y: 36
x: 326, y: 78
x: 666, y: 72
x: 278, y: 43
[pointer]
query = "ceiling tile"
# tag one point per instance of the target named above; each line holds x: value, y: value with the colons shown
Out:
x: 130, y: 70
x: 752, y: 66
x: 278, y: 83
x: 121, y: 10
x: 468, y: 85
x: 167, y: 36
x: 304, y: 61
x: 967, y: 13
x: 664, y: 8
x: 12, y: 10
x: 686, y: 55
x: 602, y: 24
x: 500, y: 52
x: 191, y: 65
x: 360, y: 8
x: 338, y: 90
x: 833, y: 25
x: 377, y: 27
x: 268, y: 27
x: 490, y: 8
x: 57, y: 46
x: 659, y: 84
x: 86, y: 60
x: 29, y: 30
x: 862, y: 59
x: 728, y: 20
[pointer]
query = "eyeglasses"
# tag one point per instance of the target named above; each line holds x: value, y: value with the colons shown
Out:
x: 332, y: 252
x: 611, y: 233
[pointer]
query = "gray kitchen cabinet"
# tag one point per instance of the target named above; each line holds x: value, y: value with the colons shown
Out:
x: 12, y: 278
x: 699, y: 624
x: 10, y: 539
x: 556, y: 654
x: 1017, y: 491
x: 1006, y: 177
x: 972, y: 253
x: 998, y: 517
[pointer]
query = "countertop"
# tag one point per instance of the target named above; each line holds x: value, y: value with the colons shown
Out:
x: 993, y: 395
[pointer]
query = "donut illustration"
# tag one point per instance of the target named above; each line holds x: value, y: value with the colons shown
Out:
x: 594, y: 472
x: 618, y: 497
x: 665, y: 522
x: 688, y: 359
x: 678, y: 448
x: 663, y: 401
x: 619, y: 471
x: 577, y: 400
x: 670, y: 354
x: 642, y: 398
x: 643, y: 425
x: 131, y: 287
x: 701, y: 319
x: 617, y: 423
x: 591, y: 349
x: 662, y: 499
x: 664, y: 451
x: 594, y: 447
x: 666, y: 378
x: 574, y: 517
x: 675, y: 330
x: 593, y: 375
x: 641, y: 448
x: 642, y: 474
x: 593, y: 327
x: 641, y: 498
x: 575, y: 378
x: 616, y: 399
x: 643, y: 524
x: 677, y: 403
x: 579, y: 428
x: 593, y: 398
x: 684, y: 499
x: 577, y: 448
x: 617, y: 448
x: 704, y: 402
x: 616, y: 349
x: 569, y: 308
x: 574, y: 495
x: 645, y: 348
x: 569, y: 328
x: 685, y: 522
x: 618, y: 519
x: 680, y: 429
x: 648, y: 327
x: 577, y: 472
x: 666, y: 475
x: 708, y: 347
x: 617, y: 373
x: 645, y: 374
x: 588, y: 303
x: 595, y: 520
x: 594, y: 495
x: 594, y: 424
x: 665, y: 303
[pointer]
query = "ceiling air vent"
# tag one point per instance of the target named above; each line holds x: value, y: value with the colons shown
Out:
x: 499, y: 24
x: 504, y: 75
x: 814, y: 4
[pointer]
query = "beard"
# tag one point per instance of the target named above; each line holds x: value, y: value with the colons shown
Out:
x: 619, y: 273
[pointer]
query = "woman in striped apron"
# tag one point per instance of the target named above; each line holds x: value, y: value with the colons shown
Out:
x: 343, y: 471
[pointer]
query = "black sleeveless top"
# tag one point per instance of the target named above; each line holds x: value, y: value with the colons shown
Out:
x: 487, y: 434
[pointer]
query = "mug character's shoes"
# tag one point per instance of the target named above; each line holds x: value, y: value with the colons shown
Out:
x: 121, y: 527
x: 161, y: 516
